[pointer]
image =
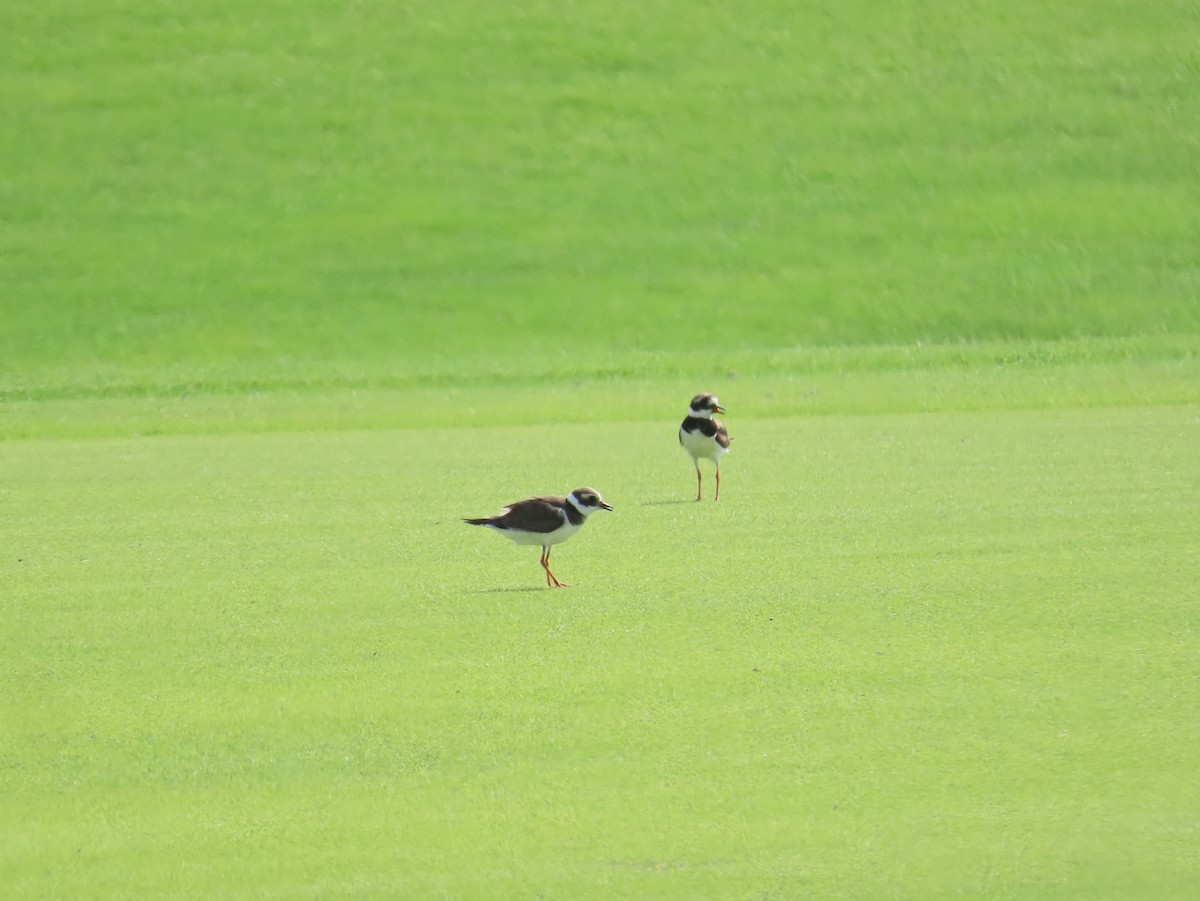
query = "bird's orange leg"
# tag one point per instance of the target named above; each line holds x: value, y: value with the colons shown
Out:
x: 697, y: 480
x: 717, y: 496
x: 549, y: 575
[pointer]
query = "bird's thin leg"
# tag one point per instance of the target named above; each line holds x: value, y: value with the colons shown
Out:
x: 717, y: 496
x: 697, y: 480
x: 545, y: 561
x: 557, y: 584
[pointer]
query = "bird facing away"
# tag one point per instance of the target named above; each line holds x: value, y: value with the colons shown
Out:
x: 703, y: 436
x: 546, y: 521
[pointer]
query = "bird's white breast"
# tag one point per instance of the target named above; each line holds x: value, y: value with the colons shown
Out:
x: 700, y: 445
x: 562, y: 533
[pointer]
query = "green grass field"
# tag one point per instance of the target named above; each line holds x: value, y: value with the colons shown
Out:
x: 286, y: 291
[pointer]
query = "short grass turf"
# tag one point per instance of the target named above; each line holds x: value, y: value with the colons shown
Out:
x: 923, y: 655
x: 287, y: 290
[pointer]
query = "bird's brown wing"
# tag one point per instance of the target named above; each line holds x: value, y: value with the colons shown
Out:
x: 535, y: 514
x: 722, y: 436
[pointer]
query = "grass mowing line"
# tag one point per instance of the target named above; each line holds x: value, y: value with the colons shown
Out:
x: 1022, y: 376
x: 936, y: 655
x: 588, y: 364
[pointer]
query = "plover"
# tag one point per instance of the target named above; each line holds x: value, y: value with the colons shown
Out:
x: 703, y: 436
x: 546, y: 521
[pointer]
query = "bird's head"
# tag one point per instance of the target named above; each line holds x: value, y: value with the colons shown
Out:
x: 587, y: 500
x: 704, y: 406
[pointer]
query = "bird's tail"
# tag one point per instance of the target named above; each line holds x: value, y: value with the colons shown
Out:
x: 482, y: 521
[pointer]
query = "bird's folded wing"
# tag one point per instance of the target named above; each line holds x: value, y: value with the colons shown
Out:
x: 537, y: 514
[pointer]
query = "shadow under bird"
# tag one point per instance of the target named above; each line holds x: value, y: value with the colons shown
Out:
x: 703, y: 436
x: 546, y: 521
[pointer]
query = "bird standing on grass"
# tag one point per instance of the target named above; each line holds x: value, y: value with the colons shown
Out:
x: 546, y: 521
x: 703, y: 436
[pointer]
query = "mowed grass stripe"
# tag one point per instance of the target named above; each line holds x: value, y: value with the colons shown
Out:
x: 1010, y: 375
x: 586, y: 181
x: 915, y: 655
